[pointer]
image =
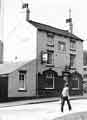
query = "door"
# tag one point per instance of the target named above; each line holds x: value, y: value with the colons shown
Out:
x: 3, y: 88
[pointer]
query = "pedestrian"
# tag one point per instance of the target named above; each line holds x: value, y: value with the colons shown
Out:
x: 65, y: 97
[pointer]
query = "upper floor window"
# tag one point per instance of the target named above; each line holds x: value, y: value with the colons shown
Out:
x: 22, y: 77
x: 61, y: 46
x: 85, y: 76
x: 47, y: 57
x: 72, y: 45
x: 50, y: 41
x: 85, y: 69
x: 50, y: 59
x: 72, y: 60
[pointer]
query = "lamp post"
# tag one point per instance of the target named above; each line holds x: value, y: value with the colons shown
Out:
x: 66, y: 73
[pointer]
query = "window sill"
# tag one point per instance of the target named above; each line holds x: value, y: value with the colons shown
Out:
x: 49, y: 65
x: 48, y: 88
x: 72, y: 68
x: 75, y: 88
x: 22, y: 90
x: 62, y: 51
x: 50, y: 45
x: 72, y: 49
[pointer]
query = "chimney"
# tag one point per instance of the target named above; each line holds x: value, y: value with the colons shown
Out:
x: 26, y: 6
x: 69, y: 20
x: 1, y: 52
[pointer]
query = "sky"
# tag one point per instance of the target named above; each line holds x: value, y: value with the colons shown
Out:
x: 51, y: 12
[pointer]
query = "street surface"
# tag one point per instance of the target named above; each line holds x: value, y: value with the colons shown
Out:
x: 41, y: 111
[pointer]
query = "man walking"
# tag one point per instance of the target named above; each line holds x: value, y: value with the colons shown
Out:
x: 65, y: 95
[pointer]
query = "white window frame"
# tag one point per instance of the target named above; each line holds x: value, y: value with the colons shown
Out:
x: 20, y: 76
x: 61, y: 46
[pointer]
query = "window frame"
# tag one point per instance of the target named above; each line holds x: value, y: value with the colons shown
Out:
x: 50, y: 39
x: 59, y: 46
x: 22, y: 77
x: 53, y: 81
x: 72, y: 66
x: 73, y: 45
x: 74, y: 88
x: 85, y: 76
x: 50, y: 52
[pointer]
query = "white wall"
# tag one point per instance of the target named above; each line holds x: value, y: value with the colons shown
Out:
x: 21, y: 45
x: 19, y: 36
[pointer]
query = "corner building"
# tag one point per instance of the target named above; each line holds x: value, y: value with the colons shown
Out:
x: 56, y: 50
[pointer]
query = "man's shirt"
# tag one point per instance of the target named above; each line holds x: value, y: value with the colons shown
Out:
x: 65, y: 91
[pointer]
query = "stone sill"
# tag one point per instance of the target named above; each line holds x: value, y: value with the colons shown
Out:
x: 22, y: 90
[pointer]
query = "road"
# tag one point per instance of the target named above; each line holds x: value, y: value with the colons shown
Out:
x: 41, y: 111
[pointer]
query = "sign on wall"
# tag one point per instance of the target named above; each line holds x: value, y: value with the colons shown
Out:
x: 44, y: 57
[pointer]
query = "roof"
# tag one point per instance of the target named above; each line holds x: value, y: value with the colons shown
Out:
x: 54, y: 30
x: 7, y: 68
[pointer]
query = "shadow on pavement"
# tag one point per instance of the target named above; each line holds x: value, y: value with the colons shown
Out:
x: 74, y: 116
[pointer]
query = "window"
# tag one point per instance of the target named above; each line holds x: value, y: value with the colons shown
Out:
x: 22, y: 76
x: 50, y: 59
x: 47, y: 57
x: 49, y: 81
x: 73, y: 45
x: 85, y: 69
x: 75, y: 82
x: 50, y: 41
x: 85, y: 76
x: 61, y: 46
x: 72, y: 60
x: 50, y: 37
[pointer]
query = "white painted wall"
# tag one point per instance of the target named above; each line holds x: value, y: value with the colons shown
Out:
x: 21, y: 45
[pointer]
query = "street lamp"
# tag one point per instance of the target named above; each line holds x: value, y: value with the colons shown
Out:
x: 66, y: 73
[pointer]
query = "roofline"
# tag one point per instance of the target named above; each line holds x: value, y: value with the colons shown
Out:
x: 61, y: 34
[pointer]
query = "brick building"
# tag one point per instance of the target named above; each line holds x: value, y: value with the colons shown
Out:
x: 57, y: 49
x: 54, y: 57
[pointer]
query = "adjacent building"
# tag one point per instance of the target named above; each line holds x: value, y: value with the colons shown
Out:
x: 17, y: 80
x: 85, y: 78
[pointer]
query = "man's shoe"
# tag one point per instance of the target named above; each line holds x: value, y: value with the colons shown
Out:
x: 70, y: 109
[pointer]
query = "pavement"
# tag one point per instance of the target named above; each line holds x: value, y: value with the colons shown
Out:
x: 37, y: 101
x: 75, y: 116
x: 50, y: 110
x: 46, y: 111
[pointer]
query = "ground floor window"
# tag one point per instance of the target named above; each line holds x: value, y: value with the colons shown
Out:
x: 22, y: 78
x: 75, y: 82
x: 49, y: 80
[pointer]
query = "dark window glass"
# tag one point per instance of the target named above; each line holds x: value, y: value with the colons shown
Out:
x: 50, y: 57
x: 72, y: 59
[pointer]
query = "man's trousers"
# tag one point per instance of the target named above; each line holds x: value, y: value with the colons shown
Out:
x: 63, y: 99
